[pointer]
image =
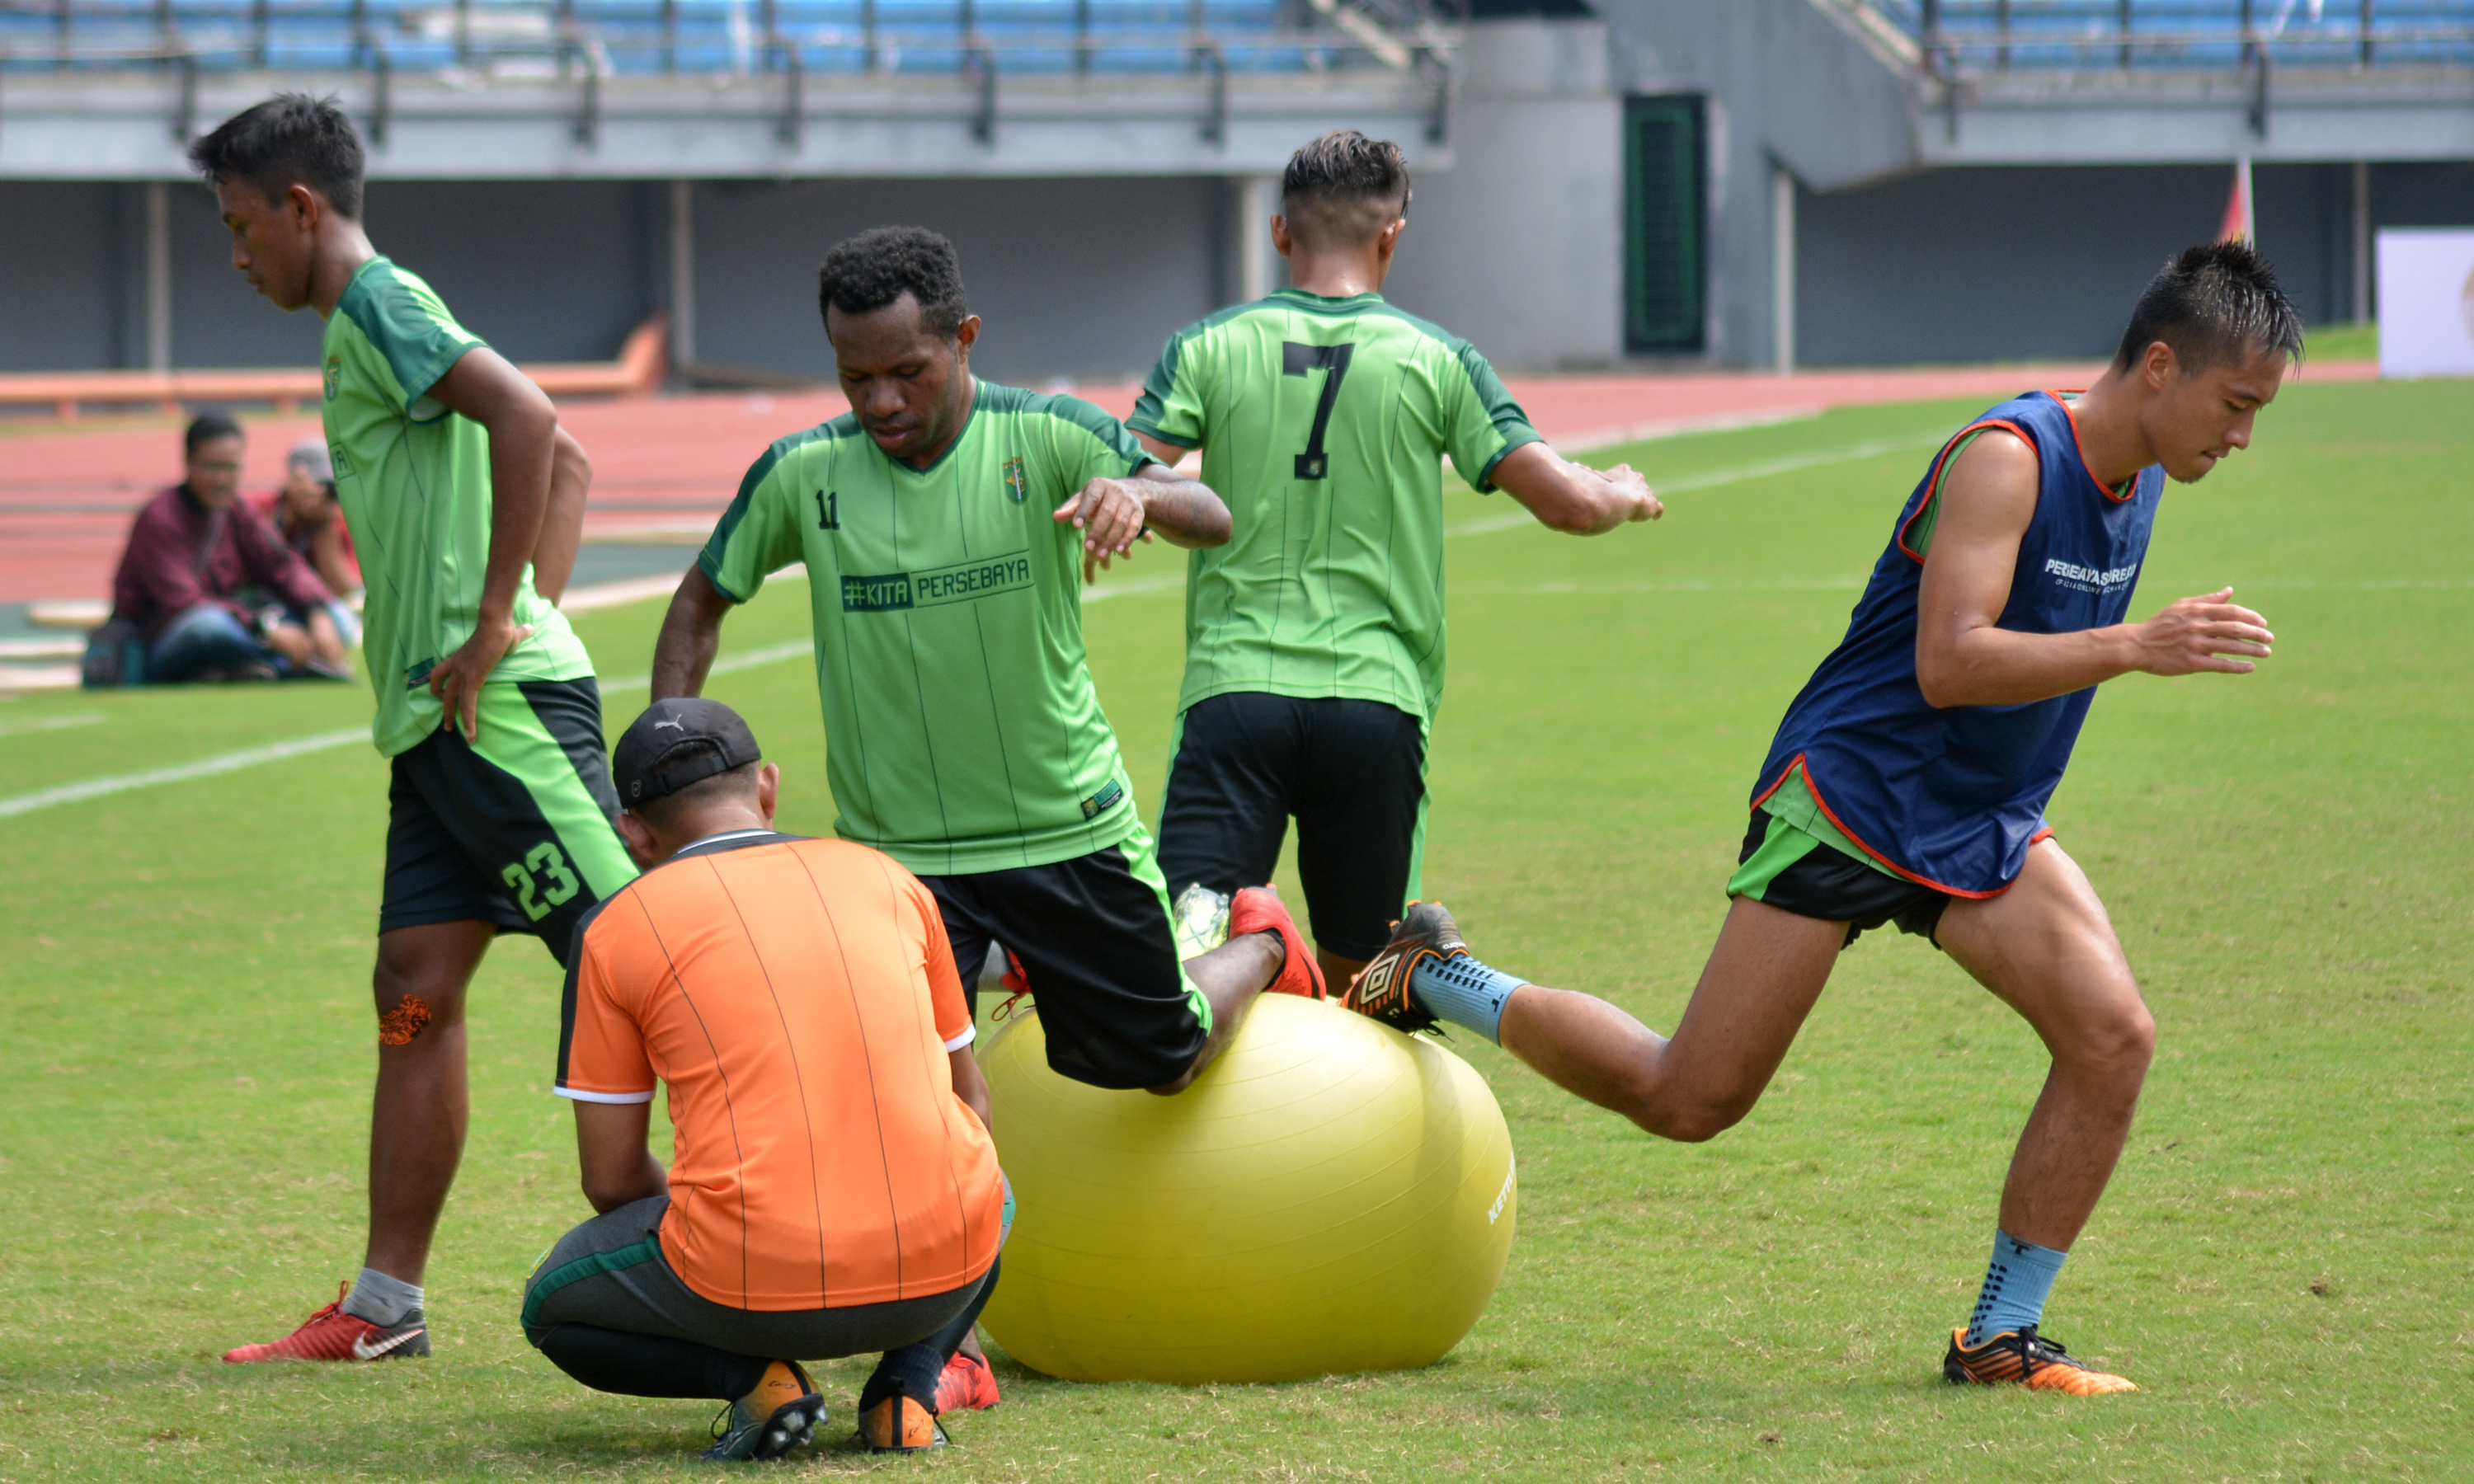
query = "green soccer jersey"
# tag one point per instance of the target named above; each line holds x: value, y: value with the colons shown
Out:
x: 962, y: 732
x: 414, y: 479
x: 1324, y: 423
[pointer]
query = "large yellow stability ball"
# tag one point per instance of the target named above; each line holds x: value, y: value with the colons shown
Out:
x: 1328, y: 1196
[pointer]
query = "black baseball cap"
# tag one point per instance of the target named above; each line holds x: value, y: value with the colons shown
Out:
x: 704, y: 736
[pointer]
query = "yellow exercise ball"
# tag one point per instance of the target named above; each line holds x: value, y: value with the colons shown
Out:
x: 1328, y: 1196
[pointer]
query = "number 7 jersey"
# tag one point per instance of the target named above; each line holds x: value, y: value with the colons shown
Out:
x: 1324, y: 423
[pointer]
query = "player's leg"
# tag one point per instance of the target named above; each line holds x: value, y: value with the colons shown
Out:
x: 1762, y: 977
x: 2047, y: 948
x: 419, y: 1111
x: 1361, y: 826
x: 435, y: 922
x: 1098, y: 948
x: 604, y: 1306
x: 1227, y: 801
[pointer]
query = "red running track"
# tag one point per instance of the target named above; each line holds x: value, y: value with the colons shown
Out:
x: 673, y: 463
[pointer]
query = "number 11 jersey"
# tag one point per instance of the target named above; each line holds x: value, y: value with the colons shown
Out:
x: 1324, y: 423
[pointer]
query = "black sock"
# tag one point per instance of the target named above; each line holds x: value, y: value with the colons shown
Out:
x: 650, y: 1365
x: 912, y: 1369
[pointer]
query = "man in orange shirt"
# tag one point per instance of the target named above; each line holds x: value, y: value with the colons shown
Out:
x: 833, y: 1190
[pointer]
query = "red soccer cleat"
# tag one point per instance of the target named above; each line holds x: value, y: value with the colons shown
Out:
x: 331, y: 1334
x: 1258, y: 909
x: 967, y: 1384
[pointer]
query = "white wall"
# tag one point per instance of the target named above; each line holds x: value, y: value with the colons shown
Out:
x: 1520, y: 247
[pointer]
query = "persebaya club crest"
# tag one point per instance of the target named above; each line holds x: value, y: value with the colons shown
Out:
x: 334, y: 375
x: 1017, y: 483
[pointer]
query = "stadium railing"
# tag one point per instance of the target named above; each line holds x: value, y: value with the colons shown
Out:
x: 632, y: 38
x: 1975, y: 36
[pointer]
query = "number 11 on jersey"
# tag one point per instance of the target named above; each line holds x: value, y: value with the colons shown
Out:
x: 1295, y: 360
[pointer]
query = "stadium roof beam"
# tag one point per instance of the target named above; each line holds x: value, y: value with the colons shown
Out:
x: 787, y: 123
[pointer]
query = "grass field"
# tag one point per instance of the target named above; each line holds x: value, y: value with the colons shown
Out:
x: 2285, y: 1260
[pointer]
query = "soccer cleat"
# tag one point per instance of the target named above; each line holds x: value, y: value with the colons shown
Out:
x: 2028, y: 1359
x: 779, y: 1415
x: 331, y: 1334
x: 898, y: 1425
x: 966, y: 1384
x: 1381, y: 989
x: 1258, y: 909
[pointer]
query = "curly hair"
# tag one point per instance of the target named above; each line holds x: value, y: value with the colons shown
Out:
x: 2213, y: 303
x: 1345, y: 187
x: 879, y: 266
x: 290, y: 139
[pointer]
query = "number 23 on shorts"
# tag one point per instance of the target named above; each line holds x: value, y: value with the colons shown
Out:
x: 545, y: 858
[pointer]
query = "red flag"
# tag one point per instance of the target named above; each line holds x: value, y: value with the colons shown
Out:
x: 2237, y: 225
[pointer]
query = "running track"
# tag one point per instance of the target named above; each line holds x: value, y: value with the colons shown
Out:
x: 672, y: 462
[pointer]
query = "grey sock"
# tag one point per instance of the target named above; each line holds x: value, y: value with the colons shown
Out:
x: 382, y: 1301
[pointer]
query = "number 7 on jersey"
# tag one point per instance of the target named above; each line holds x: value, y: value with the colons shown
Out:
x: 1295, y: 360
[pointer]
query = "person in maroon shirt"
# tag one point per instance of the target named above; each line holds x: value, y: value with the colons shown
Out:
x: 193, y: 551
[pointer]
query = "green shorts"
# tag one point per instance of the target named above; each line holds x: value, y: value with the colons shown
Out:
x: 1794, y: 859
x: 514, y: 831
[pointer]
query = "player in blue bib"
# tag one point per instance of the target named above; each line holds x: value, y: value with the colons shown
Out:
x: 1907, y: 784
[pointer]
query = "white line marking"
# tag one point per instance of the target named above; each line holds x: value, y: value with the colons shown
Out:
x: 181, y: 772
x: 1711, y: 479
x: 49, y: 724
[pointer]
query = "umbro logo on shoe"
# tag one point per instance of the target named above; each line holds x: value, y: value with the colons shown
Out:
x: 363, y: 1350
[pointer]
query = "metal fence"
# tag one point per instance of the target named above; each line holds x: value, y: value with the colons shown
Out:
x: 655, y: 38
x: 1976, y: 35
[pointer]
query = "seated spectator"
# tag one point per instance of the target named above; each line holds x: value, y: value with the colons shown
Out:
x: 306, y: 513
x: 833, y: 1190
x: 216, y: 592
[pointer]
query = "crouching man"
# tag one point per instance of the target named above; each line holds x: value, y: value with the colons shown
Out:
x: 833, y: 1191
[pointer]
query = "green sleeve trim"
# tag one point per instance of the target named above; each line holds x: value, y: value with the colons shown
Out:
x: 1112, y: 434
x: 537, y: 1293
x: 716, y: 547
x: 1485, y: 476
x: 1152, y: 405
x: 406, y: 322
x: 1920, y: 529
x: 1511, y: 423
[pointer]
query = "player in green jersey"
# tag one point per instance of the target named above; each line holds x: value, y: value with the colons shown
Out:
x: 466, y: 503
x: 947, y: 524
x: 1315, y: 638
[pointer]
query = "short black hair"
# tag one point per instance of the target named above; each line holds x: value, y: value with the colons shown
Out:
x: 290, y: 139
x: 663, y: 811
x: 1345, y: 186
x: 880, y: 265
x: 207, y: 426
x: 2213, y: 303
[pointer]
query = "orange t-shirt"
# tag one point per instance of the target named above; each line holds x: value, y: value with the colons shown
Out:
x: 798, y: 998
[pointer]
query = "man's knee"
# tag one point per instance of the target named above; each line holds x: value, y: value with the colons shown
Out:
x: 2120, y: 1043
x: 417, y: 990
x: 1686, y: 1114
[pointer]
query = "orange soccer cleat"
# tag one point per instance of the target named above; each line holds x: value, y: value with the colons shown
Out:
x: 2028, y: 1358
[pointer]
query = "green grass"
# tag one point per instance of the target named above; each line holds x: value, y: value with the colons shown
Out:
x: 2343, y: 342
x: 2283, y: 1263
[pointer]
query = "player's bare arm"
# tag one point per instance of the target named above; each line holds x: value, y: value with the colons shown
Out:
x: 610, y: 1150
x: 1114, y: 513
x: 971, y: 1084
x: 522, y: 427
x: 1964, y: 658
x: 1572, y: 497
x: 570, y: 479
x: 690, y: 634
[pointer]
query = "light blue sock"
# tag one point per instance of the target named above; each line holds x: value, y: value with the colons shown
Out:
x: 1464, y: 993
x: 2016, y: 1284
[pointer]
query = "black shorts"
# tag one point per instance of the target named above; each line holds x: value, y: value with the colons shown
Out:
x: 1092, y: 935
x: 1352, y: 772
x: 1811, y: 879
x: 515, y: 831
